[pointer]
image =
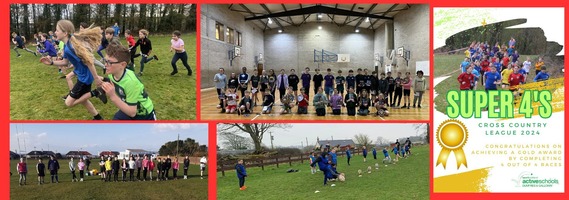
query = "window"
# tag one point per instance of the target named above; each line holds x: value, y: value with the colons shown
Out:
x: 230, y: 36
x: 239, y: 42
x: 219, y: 31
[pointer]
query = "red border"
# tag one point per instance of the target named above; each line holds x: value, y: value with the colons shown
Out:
x: 212, y: 140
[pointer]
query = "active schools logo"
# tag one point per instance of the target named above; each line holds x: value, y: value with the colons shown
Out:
x: 528, y: 179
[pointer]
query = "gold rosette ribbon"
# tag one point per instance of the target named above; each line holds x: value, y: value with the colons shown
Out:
x: 451, y: 136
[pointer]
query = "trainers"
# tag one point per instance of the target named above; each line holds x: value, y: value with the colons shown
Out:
x: 333, y: 185
x: 174, y: 72
x: 139, y: 73
x: 35, y: 54
x: 189, y: 73
x: 62, y: 77
x: 64, y: 97
x: 419, y: 106
x: 155, y: 57
x: 102, y: 96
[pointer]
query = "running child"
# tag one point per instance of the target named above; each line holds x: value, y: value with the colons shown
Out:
x: 78, y: 53
x: 145, y: 49
x: 542, y: 75
x: 516, y: 79
x: 20, y: 41
x: 180, y: 53
x: 465, y: 79
x: 492, y: 78
x: 506, y: 76
x: 125, y: 89
x: 130, y: 41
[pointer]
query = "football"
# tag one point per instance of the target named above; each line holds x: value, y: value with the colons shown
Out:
x: 342, y: 177
x: 369, y: 169
x: 376, y: 166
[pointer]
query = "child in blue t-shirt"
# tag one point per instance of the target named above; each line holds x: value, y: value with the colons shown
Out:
x: 312, y: 160
x: 492, y: 79
x: 374, y: 152
x: 348, y: 155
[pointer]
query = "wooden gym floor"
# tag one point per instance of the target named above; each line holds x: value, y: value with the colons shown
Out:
x: 209, y: 110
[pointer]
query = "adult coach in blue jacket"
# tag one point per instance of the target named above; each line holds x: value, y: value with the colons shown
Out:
x: 241, y: 174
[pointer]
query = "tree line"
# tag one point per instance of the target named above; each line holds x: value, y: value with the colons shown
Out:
x: 27, y: 19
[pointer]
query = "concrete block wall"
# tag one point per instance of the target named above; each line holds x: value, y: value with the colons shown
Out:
x: 294, y: 47
x: 214, y: 53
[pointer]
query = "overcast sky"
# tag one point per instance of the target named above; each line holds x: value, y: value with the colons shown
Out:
x: 325, y: 131
x: 94, y: 138
x: 551, y: 20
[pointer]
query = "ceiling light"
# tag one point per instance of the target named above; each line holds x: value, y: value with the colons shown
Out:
x: 270, y: 21
x: 280, y: 31
x: 319, y: 27
x: 367, y: 19
x: 319, y: 15
x: 357, y: 30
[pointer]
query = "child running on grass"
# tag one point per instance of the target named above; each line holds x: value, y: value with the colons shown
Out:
x: 20, y: 41
x: 125, y: 89
x: 145, y: 49
x: 178, y: 47
x: 77, y: 51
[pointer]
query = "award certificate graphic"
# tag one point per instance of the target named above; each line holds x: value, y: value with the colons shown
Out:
x: 499, y: 100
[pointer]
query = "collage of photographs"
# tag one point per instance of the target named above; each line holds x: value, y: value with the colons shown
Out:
x: 281, y: 100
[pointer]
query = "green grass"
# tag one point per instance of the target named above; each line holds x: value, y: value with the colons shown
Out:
x: 408, y: 179
x: 36, y: 89
x: 448, y: 65
x: 93, y: 188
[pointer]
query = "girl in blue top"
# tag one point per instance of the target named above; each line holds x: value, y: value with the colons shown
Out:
x: 78, y: 51
x: 312, y: 160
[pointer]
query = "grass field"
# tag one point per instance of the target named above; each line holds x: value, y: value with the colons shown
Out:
x: 448, y: 65
x: 36, y: 89
x: 93, y: 188
x: 408, y: 179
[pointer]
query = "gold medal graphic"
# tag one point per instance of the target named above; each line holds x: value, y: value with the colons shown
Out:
x: 451, y: 136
